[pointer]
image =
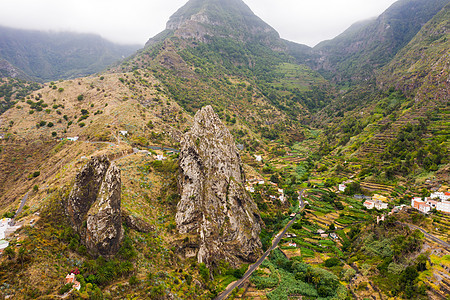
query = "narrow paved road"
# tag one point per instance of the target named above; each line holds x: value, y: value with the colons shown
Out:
x: 256, y: 265
x: 429, y: 236
x: 22, y: 204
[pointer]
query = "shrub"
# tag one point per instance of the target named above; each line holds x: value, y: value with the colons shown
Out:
x: 81, y: 124
x: 60, y: 90
x: 65, y: 288
x: 331, y: 262
x: 50, y: 124
x: 80, y: 97
x: 36, y: 174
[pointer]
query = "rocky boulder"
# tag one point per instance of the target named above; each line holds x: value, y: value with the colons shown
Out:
x: 94, y: 207
x: 214, y: 206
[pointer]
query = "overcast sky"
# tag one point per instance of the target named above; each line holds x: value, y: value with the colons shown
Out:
x: 135, y: 21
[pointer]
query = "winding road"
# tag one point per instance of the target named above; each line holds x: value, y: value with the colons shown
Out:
x: 256, y: 265
x: 429, y: 236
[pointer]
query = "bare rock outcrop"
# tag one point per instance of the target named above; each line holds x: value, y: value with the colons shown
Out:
x: 214, y: 208
x: 94, y: 207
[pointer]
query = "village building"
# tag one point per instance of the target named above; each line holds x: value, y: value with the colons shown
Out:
x: 71, y: 278
x: 443, y: 206
x: 342, y: 187
x: 3, y: 245
x: 73, y: 139
x: 124, y: 132
x: 333, y: 236
x: 420, y: 205
x: 381, y: 198
x: 292, y: 244
x: 371, y: 204
x: 427, y: 204
x: 258, y: 158
x: 160, y: 157
x: 250, y: 188
x: 442, y: 196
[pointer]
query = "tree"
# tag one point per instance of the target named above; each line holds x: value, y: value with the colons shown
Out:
x: 9, y: 252
x: 22, y: 255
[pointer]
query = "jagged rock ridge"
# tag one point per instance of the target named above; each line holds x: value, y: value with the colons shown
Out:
x: 214, y: 205
x: 94, y: 206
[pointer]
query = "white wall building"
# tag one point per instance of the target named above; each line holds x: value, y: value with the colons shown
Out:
x: 443, y: 206
x: 420, y: 205
x: 342, y: 187
x: 442, y: 196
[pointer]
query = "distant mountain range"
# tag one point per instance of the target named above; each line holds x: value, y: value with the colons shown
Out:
x: 47, y: 56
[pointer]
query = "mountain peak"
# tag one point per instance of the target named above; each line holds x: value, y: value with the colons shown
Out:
x: 200, y: 19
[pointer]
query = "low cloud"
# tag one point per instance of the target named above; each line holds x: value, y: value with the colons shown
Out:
x: 135, y: 21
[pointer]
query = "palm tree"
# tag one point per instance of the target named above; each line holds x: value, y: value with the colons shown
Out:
x: 316, y: 280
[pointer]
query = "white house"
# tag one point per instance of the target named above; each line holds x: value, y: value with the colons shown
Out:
x: 3, y: 245
x: 258, y: 158
x: 443, y: 206
x: 420, y: 205
x: 380, y: 205
x: 251, y: 189
x: 342, y: 187
x: 442, y: 196
x: 160, y: 157
x: 369, y: 204
x: 72, y: 139
x: 124, y: 132
x: 333, y: 236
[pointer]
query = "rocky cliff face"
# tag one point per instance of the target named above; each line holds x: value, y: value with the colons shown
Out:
x: 94, y: 207
x: 214, y: 205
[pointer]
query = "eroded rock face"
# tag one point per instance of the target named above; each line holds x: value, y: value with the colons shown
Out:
x: 94, y: 207
x: 214, y: 205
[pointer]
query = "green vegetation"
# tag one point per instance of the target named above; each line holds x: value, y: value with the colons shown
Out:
x: 292, y: 277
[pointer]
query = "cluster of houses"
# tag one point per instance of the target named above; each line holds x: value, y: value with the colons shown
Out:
x: 377, y: 201
x: 251, y: 188
x: 438, y: 201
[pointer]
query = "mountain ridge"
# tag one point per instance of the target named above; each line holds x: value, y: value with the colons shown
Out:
x: 46, y: 56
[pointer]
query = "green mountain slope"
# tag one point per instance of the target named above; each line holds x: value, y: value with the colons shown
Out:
x: 424, y: 56
x: 47, y: 56
x: 399, y: 129
x: 220, y: 53
x: 366, y: 46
